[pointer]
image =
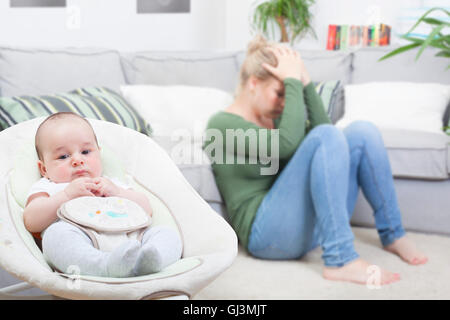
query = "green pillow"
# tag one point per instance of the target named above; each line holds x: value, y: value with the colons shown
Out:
x: 94, y: 103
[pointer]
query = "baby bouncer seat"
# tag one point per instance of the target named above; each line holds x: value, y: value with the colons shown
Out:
x: 209, y: 243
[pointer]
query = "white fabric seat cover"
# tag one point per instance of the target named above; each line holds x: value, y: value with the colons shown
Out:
x: 209, y: 243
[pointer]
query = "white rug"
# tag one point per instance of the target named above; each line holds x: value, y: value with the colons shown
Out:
x: 252, y: 279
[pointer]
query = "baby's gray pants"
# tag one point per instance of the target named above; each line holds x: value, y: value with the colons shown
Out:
x: 70, y: 250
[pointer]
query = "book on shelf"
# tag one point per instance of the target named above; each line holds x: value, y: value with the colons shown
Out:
x: 384, y: 35
x: 354, y: 34
x: 371, y: 42
x: 342, y: 37
x: 365, y: 37
x: 331, y: 40
x: 337, y: 44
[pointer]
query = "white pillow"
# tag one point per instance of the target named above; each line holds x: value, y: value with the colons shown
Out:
x: 398, y: 105
x: 174, y: 110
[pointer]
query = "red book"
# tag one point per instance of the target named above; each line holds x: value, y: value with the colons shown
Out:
x: 383, y: 35
x: 331, y: 37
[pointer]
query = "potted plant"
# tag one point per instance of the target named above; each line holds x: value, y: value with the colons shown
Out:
x: 436, y: 38
x: 292, y: 16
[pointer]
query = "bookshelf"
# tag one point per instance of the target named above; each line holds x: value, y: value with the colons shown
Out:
x: 349, y: 37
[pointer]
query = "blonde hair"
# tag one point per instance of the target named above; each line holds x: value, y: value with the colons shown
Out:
x: 257, y: 54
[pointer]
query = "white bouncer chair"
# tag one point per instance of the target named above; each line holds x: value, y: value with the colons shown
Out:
x: 209, y: 243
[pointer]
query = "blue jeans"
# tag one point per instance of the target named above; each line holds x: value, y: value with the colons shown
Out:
x: 313, y: 198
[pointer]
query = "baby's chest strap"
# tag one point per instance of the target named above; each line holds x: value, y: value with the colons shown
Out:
x: 106, y: 215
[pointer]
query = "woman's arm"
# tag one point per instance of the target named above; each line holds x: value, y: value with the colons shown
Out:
x: 251, y: 140
x: 314, y: 103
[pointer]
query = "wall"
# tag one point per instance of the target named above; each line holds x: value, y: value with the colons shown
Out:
x: 114, y: 24
x: 327, y: 12
x: 211, y: 25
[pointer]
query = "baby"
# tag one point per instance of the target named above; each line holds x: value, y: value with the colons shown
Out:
x: 71, y: 167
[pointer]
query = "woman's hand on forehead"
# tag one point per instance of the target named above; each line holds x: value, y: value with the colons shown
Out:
x: 290, y: 64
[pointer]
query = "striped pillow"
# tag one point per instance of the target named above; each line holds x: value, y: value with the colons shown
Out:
x: 94, y: 103
x: 331, y: 93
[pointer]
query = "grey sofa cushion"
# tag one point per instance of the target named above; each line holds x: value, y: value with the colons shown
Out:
x: 208, y: 69
x: 47, y: 71
x: 418, y: 155
x: 328, y: 65
x: 402, y: 67
x: 423, y: 206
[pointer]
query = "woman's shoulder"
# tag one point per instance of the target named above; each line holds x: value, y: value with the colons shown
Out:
x: 223, y: 119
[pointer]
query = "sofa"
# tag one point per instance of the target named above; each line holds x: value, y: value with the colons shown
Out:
x: 420, y: 161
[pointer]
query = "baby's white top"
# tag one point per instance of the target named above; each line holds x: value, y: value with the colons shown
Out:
x: 49, y: 187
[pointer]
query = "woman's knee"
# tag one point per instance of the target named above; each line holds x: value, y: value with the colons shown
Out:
x: 330, y: 137
x: 362, y: 128
x: 363, y: 133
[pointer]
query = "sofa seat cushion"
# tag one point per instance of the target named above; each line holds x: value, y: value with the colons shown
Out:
x: 417, y: 154
x: 47, y: 71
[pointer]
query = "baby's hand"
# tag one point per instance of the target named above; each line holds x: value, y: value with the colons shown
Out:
x: 105, y: 187
x: 81, y: 187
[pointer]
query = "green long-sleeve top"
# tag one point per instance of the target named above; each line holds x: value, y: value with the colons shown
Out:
x: 242, y: 185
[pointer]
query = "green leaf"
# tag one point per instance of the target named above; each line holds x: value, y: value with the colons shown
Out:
x: 435, y: 21
x: 439, y: 44
x: 412, y: 39
x: 400, y: 50
x: 297, y: 14
x: 445, y: 54
x: 430, y: 38
x: 425, y: 15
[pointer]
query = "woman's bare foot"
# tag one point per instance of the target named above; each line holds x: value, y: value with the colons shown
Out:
x: 360, y: 271
x: 405, y: 249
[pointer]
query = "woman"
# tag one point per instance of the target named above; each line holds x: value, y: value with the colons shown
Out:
x: 310, y: 199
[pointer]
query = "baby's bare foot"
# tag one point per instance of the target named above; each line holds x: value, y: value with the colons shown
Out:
x: 406, y: 250
x: 358, y: 271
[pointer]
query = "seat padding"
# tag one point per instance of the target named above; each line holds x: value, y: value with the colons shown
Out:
x: 416, y: 154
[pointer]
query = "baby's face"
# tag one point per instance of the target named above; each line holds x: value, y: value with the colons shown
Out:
x: 69, y: 151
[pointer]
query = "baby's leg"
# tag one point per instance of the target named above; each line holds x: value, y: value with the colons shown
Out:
x: 65, y: 245
x: 161, y: 246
